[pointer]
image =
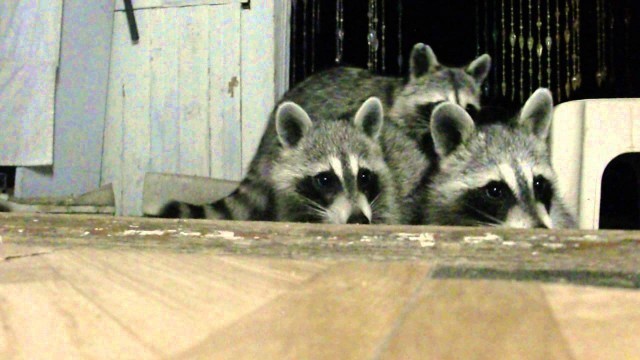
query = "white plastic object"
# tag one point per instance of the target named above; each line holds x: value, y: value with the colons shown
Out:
x: 585, y: 136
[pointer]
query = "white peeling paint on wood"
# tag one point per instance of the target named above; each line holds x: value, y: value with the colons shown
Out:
x: 169, y: 109
x: 258, y: 75
x: 165, y: 94
x: 224, y: 93
x: 193, y: 76
x: 29, y: 50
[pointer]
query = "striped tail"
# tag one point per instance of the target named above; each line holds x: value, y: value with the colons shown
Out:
x: 252, y: 200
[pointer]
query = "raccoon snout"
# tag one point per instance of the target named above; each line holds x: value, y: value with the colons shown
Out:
x: 358, y: 218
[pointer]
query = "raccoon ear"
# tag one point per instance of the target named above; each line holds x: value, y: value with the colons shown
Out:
x: 537, y: 112
x: 451, y: 126
x: 422, y: 61
x: 479, y: 68
x: 370, y: 117
x: 292, y: 123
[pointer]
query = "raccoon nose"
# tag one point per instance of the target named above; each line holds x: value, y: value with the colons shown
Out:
x: 358, y: 218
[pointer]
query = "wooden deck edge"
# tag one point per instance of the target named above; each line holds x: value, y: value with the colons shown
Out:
x: 609, y: 258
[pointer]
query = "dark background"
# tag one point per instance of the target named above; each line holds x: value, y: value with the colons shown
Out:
x: 450, y: 27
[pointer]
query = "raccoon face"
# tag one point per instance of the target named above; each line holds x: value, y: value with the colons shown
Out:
x: 430, y: 83
x: 332, y: 171
x: 496, y: 175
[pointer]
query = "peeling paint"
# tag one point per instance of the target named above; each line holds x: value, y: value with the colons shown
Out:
x: 227, y: 235
x: 425, y: 239
x: 192, y: 233
x: 553, y: 245
x: 488, y: 237
x: 584, y: 238
x: 143, y: 232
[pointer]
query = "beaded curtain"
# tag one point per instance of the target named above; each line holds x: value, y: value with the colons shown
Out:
x: 577, y: 48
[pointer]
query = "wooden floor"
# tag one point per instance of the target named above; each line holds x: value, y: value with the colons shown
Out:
x: 104, y: 287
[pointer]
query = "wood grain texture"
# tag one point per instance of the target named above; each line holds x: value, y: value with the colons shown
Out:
x: 108, y: 304
x: 104, y: 287
x: 342, y: 313
x: 591, y: 319
x: 478, y: 319
x: 549, y: 255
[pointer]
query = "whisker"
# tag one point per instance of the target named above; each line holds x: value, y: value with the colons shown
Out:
x: 316, y: 208
x: 495, y: 220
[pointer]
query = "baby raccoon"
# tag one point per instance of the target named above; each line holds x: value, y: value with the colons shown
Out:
x: 431, y: 83
x: 495, y: 175
x: 311, y: 171
x: 342, y: 89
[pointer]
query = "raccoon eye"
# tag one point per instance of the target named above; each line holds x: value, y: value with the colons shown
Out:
x: 540, y: 184
x: 364, y: 178
x: 542, y: 189
x: 324, y: 180
x: 495, y: 190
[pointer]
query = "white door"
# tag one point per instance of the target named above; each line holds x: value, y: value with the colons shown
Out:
x: 174, y: 97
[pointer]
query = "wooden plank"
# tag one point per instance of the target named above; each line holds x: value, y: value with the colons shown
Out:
x: 169, y: 102
x: 258, y: 83
x: 29, y: 56
x: 101, y: 304
x: 152, y: 4
x: 614, y: 254
x: 136, y: 88
x: 105, y: 287
x: 477, y: 319
x: 225, y: 131
x: 165, y: 92
x: 27, y: 124
x: 193, y: 84
x: 113, y: 148
x: 343, y: 313
x: 597, y: 324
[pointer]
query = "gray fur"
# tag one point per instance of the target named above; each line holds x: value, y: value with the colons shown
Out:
x: 340, y: 91
x: 499, y: 152
x: 292, y: 124
x: 436, y: 83
x: 297, y: 145
x: 451, y: 126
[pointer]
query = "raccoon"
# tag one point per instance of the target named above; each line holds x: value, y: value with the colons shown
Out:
x: 311, y: 171
x: 342, y: 89
x: 338, y: 92
x: 497, y: 174
x: 431, y: 83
